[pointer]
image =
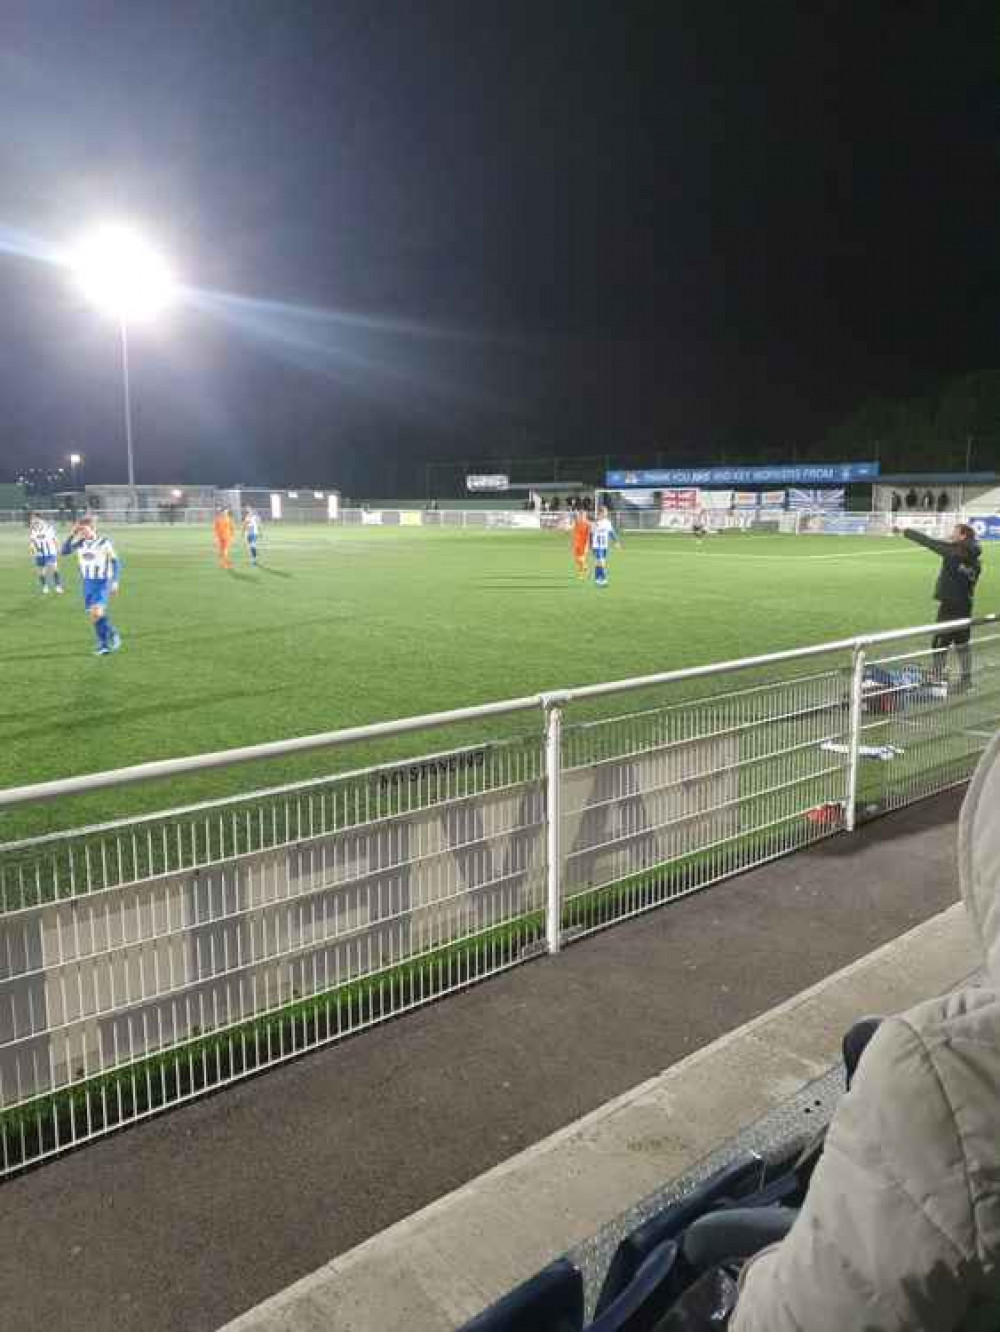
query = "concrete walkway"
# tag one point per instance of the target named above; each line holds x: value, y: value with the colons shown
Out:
x: 187, y: 1221
x: 437, y: 1268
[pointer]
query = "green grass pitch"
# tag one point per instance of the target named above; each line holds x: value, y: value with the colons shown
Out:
x: 344, y: 626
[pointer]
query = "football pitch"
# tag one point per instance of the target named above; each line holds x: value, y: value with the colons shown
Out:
x: 342, y: 626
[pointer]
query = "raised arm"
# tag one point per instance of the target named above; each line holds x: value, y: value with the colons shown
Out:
x: 938, y: 547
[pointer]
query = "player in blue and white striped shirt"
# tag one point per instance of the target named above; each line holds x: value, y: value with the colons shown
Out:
x: 602, y: 533
x: 43, y: 542
x: 99, y: 569
x: 251, y: 532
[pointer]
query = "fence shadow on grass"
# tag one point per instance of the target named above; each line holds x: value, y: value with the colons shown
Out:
x: 533, y: 585
x: 116, y: 715
x: 84, y: 651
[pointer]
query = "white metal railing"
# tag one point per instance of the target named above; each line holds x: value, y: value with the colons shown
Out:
x: 802, y: 522
x: 474, y: 519
x: 157, y: 518
x: 148, y: 959
x: 798, y: 522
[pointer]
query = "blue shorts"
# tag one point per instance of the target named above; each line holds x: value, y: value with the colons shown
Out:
x: 43, y: 561
x: 96, y: 592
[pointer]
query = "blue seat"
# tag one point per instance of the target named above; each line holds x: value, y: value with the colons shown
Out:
x: 785, y: 1191
x: 550, y: 1301
x: 726, y: 1186
x: 650, y: 1293
x: 732, y: 1234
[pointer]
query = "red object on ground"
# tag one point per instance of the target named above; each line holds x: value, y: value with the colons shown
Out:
x: 826, y: 815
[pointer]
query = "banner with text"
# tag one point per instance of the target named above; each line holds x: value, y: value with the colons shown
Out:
x: 513, y: 519
x: 987, y: 528
x: 792, y: 474
x: 679, y: 499
x: 932, y: 524
x: 846, y: 524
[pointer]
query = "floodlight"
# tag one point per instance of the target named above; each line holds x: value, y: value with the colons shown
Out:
x: 75, y: 459
x: 119, y: 273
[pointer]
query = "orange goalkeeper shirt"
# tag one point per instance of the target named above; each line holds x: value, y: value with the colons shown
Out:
x: 223, y: 529
x: 581, y: 536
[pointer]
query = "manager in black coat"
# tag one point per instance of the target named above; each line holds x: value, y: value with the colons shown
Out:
x: 961, y: 566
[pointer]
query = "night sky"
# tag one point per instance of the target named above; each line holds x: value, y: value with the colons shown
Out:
x: 419, y: 230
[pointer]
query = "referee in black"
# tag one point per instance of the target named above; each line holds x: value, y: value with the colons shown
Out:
x: 961, y: 565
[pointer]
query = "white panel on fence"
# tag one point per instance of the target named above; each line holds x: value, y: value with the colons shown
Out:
x: 129, y: 969
x: 625, y: 815
x: 663, y: 802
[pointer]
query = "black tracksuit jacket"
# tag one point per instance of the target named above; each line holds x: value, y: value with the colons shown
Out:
x: 961, y: 565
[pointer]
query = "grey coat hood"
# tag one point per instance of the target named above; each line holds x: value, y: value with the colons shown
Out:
x: 900, y: 1228
x: 979, y: 857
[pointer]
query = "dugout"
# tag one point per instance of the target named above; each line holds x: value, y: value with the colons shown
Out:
x: 551, y: 496
x: 536, y: 496
x: 937, y: 492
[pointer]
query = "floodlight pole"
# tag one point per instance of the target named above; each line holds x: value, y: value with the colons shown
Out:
x: 123, y: 326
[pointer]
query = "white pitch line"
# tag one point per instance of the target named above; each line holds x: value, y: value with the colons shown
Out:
x: 846, y: 555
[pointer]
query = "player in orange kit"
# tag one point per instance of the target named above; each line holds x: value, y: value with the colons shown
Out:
x: 581, y: 543
x: 223, y: 527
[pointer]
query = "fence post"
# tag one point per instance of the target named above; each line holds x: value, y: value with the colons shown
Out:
x: 854, y: 737
x: 553, y: 821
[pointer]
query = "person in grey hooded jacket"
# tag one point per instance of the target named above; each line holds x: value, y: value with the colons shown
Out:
x: 900, y: 1228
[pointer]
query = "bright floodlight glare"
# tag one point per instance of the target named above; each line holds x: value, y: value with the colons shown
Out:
x: 122, y: 275
x: 75, y: 459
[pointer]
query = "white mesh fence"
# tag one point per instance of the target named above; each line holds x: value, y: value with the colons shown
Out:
x: 668, y: 800
x: 927, y: 715
x: 145, y: 961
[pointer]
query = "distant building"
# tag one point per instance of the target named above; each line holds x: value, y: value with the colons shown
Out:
x: 148, y: 503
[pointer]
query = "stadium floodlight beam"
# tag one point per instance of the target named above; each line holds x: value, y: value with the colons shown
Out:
x: 124, y: 277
